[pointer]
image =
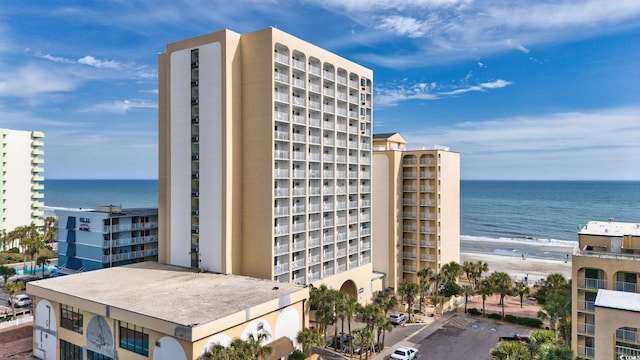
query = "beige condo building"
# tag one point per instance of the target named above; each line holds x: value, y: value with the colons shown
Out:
x: 606, y: 306
x: 416, y: 208
x: 265, y: 160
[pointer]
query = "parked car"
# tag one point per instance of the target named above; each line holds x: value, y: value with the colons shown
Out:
x: 397, y: 318
x: 405, y: 353
x: 21, y: 300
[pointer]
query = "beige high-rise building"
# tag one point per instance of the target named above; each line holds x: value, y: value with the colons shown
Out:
x: 21, y: 180
x: 416, y: 208
x: 265, y: 160
x: 606, y: 297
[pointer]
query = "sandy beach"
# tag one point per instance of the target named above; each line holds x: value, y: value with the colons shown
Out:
x: 539, y: 261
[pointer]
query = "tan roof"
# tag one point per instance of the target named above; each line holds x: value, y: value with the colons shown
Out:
x: 170, y: 293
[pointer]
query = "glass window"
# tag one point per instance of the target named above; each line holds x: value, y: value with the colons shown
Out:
x: 97, y: 356
x: 69, y: 351
x: 70, y: 318
x: 134, y: 338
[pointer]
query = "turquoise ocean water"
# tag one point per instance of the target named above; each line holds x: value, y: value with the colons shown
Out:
x: 509, y: 212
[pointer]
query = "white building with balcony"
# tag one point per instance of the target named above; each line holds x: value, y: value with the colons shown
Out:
x: 105, y: 237
x: 21, y: 180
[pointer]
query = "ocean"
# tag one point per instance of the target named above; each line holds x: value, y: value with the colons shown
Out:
x: 513, y: 213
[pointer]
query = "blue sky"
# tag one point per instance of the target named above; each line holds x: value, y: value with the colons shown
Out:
x: 522, y: 89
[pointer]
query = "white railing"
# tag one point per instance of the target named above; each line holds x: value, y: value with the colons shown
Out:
x: 605, y: 255
x: 16, y: 322
x: 586, y: 351
x: 584, y: 328
x: 592, y: 283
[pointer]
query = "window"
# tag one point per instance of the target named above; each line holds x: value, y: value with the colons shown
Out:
x: 133, y: 338
x: 71, y: 319
x: 96, y: 356
x: 69, y: 351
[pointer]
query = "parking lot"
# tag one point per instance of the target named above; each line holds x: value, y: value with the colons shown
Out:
x: 462, y: 337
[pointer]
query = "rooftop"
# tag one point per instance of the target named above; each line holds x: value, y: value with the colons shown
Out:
x: 618, y: 300
x: 170, y: 293
x: 610, y: 228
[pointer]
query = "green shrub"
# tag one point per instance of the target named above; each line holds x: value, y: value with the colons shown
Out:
x: 14, y: 250
x: 297, y: 355
x: 511, y: 318
x: 495, y: 316
x: 531, y: 322
x: 474, y: 311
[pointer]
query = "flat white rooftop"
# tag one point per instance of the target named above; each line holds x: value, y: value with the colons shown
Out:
x: 610, y: 228
x: 170, y: 293
x: 618, y: 300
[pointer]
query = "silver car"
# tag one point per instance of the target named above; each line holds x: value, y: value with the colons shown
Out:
x: 21, y: 300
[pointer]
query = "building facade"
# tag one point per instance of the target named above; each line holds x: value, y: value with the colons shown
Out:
x: 106, y: 237
x: 265, y: 160
x: 606, y: 270
x: 416, y: 208
x: 108, y: 314
x: 21, y: 179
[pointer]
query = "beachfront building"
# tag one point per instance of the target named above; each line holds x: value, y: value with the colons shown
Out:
x: 416, y: 208
x: 21, y: 179
x: 154, y: 311
x: 606, y: 273
x: 265, y: 160
x: 91, y: 239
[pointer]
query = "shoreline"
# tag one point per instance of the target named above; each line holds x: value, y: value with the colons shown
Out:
x: 521, y: 261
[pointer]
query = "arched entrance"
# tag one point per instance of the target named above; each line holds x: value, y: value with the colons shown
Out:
x: 350, y: 289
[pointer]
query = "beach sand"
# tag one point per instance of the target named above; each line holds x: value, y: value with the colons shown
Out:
x: 534, y: 269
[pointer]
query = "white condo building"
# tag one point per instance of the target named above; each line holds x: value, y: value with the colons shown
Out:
x: 21, y: 179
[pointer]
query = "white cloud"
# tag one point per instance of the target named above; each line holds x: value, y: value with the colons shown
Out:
x: 91, y: 61
x: 401, y: 25
x: 121, y: 107
x: 553, y: 146
x: 387, y: 96
x: 517, y: 47
x: 32, y: 80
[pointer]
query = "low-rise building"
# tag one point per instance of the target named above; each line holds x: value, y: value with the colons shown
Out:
x: 156, y: 311
x: 605, y: 273
x: 105, y: 237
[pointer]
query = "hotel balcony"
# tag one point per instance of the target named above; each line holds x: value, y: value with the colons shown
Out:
x: 37, y: 143
x: 409, y: 214
x: 281, y: 58
x: 37, y: 187
x: 409, y: 268
x: 281, y: 135
x: 314, y: 259
x: 409, y: 228
x: 586, y: 329
x: 591, y: 283
x: 626, y: 286
x: 327, y: 239
x: 327, y: 272
x: 281, y: 211
x: 281, y: 116
x: 280, y: 269
x: 314, y: 276
x: 315, y: 88
x: 281, y: 97
x: 280, y: 77
x: 280, y: 249
x: 627, y: 336
x: 606, y: 255
x: 314, y: 70
x: 37, y: 169
x: 298, y: 264
x: 314, y: 241
x: 409, y: 255
x: 409, y: 242
x: 37, y: 152
x: 281, y: 229
x: 129, y: 255
x: 427, y: 257
x: 427, y: 243
x: 327, y: 255
x: 586, y: 351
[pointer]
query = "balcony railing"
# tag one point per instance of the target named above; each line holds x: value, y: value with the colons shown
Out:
x: 592, y: 283
x: 409, y: 268
x: 605, y: 255
x: 586, y: 351
x: 627, y: 336
x: 584, y: 305
x: 584, y: 328
x: 626, y: 286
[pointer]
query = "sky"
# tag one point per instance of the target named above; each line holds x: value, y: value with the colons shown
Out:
x: 539, y: 90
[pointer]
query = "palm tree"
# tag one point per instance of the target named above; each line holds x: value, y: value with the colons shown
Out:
x: 451, y: 271
x: 424, y: 285
x: 363, y: 337
x: 49, y: 229
x: 12, y: 288
x: 469, y: 269
x: 468, y: 291
x: 255, y: 345
x: 485, y: 289
x: 481, y: 268
x: 6, y: 272
x: 508, y: 350
x: 308, y: 338
x: 386, y: 301
x: 502, y: 284
x: 386, y: 326
x: 351, y: 309
x: 42, y: 261
x: 408, y: 291
x: 521, y: 289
